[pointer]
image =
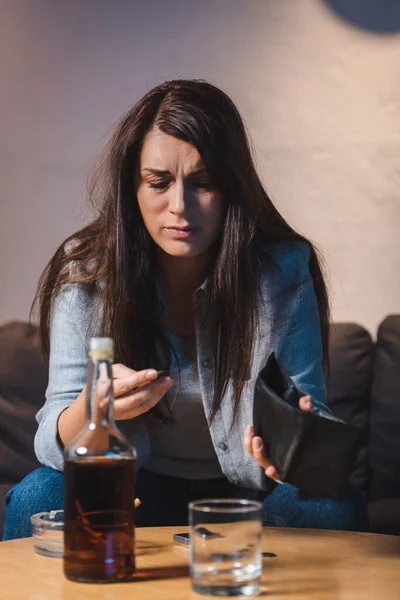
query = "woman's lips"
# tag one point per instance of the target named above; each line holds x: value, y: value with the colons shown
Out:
x: 181, y: 233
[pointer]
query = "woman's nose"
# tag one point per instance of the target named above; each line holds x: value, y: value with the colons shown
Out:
x: 178, y: 199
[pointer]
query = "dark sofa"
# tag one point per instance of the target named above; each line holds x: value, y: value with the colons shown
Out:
x: 363, y: 389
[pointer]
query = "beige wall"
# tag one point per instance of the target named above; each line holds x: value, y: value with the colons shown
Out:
x: 320, y: 97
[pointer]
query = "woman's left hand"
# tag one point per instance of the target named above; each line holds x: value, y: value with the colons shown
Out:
x: 255, y: 447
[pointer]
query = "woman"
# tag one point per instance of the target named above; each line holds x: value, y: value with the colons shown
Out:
x: 188, y: 266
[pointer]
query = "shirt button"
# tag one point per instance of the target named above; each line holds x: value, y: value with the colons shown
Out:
x: 222, y: 446
x: 206, y: 363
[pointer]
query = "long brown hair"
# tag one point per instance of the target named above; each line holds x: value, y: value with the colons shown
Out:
x: 116, y: 249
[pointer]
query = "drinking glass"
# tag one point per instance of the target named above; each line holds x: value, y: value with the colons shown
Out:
x: 225, y: 547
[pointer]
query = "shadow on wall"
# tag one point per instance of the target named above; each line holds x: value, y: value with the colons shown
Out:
x: 378, y: 16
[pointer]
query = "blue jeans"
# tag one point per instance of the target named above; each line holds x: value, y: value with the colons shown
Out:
x: 164, y: 502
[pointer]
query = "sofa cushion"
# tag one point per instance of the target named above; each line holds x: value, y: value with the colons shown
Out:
x: 23, y: 380
x: 384, y: 516
x: 348, y: 386
x: 4, y: 488
x: 384, y: 447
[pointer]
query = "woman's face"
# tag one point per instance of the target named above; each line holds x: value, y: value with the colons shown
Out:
x: 181, y: 210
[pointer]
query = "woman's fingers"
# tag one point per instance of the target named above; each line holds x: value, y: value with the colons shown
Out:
x: 306, y: 403
x: 262, y: 460
x: 248, y: 436
x: 259, y: 452
x: 135, y: 379
x: 119, y: 370
x: 140, y: 401
x: 255, y: 447
x: 272, y: 473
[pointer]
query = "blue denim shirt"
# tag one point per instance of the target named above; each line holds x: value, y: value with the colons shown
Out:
x: 297, y: 344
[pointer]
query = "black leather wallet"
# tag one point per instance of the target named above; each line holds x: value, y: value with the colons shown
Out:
x: 313, y: 451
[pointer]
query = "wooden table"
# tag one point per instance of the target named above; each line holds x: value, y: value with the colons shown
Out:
x: 309, y: 564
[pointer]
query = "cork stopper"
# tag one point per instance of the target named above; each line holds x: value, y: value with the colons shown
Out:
x: 101, y: 348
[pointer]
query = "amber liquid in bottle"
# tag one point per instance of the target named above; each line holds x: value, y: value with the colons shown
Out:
x: 99, y: 490
x: 99, y: 531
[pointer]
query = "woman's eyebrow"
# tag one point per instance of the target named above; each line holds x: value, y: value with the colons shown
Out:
x: 200, y: 171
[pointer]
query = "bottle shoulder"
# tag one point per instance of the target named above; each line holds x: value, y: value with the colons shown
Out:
x: 103, y: 442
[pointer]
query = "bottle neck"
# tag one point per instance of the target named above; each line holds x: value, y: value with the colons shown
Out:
x: 100, y: 394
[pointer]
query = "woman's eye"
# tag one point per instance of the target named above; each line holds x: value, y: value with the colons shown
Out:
x: 159, y: 185
x: 163, y: 185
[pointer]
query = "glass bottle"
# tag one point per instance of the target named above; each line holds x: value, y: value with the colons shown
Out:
x: 99, y: 484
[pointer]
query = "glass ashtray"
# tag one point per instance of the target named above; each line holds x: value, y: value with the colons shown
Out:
x: 48, y: 533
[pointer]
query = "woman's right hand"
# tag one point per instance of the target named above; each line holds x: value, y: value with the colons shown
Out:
x: 136, y: 392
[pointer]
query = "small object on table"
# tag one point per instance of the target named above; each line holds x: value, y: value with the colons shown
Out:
x: 206, y: 533
x: 184, y: 538
x: 48, y: 533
